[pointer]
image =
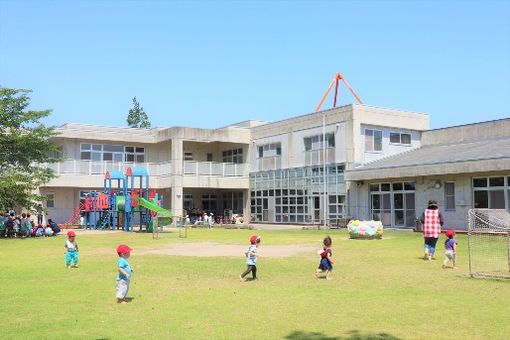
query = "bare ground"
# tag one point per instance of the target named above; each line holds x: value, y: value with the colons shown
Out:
x: 211, y: 249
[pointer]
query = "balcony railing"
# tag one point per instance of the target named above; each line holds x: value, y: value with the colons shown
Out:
x: 85, y: 167
x: 215, y: 169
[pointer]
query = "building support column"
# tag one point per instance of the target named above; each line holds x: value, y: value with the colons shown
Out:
x: 246, y: 207
x: 177, y: 180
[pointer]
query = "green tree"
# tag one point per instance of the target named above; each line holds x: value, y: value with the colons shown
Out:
x: 24, y: 147
x: 137, y: 118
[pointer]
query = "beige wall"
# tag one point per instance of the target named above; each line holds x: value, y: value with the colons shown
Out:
x: 425, y: 191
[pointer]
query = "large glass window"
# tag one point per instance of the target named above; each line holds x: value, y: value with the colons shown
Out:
x: 270, y: 150
x: 233, y: 201
x: 314, y: 149
x: 393, y: 203
x: 111, y: 153
x: 491, y: 192
x: 297, y: 195
x: 315, y: 142
x: 209, y: 203
x: 373, y: 140
x: 233, y: 156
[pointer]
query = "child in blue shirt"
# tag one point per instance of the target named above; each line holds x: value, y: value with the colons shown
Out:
x: 450, y: 246
x: 71, y: 250
x: 251, y: 258
x: 124, y: 276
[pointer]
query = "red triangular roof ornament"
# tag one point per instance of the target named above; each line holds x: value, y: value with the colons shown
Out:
x: 129, y: 172
x: 107, y: 175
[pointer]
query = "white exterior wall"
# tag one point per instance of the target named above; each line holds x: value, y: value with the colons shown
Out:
x: 426, y: 190
x: 388, y: 148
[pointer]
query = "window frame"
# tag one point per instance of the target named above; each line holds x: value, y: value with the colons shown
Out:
x: 53, y: 200
x: 446, y: 196
x: 373, y: 132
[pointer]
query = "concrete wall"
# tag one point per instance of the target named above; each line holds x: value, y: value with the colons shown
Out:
x: 201, y: 149
x: 425, y: 190
x: 388, y: 148
x: 497, y: 128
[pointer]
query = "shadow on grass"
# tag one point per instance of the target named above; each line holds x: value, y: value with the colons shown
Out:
x: 352, y: 335
x: 129, y: 299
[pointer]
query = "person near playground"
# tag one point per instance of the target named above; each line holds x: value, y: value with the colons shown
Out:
x: 124, y: 273
x: 326, y: 264
x: 72, y: 250
x: 432, y: 221
x: 88, y: 207
x: 54, y: 226
x: 39, y: 210
x: 251, y: 258
x: 450, y: 246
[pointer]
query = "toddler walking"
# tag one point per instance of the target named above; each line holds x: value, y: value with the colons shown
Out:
x: 251, y: 258
x: 450, y: 246
x: 124, y: 276
x: 326, y: 264
x: 71, y: 250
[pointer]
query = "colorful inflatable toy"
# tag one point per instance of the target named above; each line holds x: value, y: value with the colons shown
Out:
x: 365, y: 229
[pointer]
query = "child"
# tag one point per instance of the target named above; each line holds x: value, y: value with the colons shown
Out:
x: 251, y: 258
x: 326, y: 264
x: 71, y: 250
x: 124, y: 276
x: 450, y: 246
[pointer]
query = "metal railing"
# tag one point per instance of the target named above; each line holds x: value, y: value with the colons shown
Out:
x: 215, y: 169
x: 86, y: 167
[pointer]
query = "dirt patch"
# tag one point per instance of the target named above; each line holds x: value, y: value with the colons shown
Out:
x: 210, y: 249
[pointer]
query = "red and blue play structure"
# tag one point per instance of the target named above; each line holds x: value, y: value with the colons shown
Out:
x: 126, y: 200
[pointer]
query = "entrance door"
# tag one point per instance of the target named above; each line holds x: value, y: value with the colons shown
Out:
x: 316, y: 209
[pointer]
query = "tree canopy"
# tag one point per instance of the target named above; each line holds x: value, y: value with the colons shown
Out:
x: 137, y: 118
x: 24, y: 148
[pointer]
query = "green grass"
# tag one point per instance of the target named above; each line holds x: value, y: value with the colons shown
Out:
x: 380, y: 290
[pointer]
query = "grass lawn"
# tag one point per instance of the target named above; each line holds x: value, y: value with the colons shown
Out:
x: 380, y: 290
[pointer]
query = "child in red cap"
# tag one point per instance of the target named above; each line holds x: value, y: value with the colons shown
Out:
x: 124, y: 276
x: 251, y: 258
x: 326, y: 264
x: 71, y: 252
x: 450, y: 246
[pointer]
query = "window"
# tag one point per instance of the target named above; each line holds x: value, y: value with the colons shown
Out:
x: 270, y: 150
x: 400, y: 138
x: 209, y: 157
x: 209, y: 203
x: 111, y: 153
x: 187, y: 202
x: 188, y: 156
x: 449, y: 196
x: 134, y: 154
x: 233, y: 156
x: 233, y: 201
x: 491, y: 192
x: 373, y: 140
x: 315, y: 142
x: 393, y: 203
x: 50, y: 200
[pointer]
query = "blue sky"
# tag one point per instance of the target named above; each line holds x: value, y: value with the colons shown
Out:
x: 209, y: 64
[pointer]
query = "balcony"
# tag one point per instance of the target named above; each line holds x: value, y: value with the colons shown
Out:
x: 215, y: 169
x: 95, y: 168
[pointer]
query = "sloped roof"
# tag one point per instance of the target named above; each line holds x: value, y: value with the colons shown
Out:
x: 490, y: 154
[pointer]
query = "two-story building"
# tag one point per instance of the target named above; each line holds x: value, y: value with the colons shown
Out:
x: 355, y: 160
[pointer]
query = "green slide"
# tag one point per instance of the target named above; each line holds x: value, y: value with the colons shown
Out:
x: 162, y: 212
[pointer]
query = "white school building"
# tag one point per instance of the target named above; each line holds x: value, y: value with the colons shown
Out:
x: 352, y: 161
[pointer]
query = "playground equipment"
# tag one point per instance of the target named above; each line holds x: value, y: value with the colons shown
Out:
x: 336, y: 80
x: 126, y: 200
x: 365, y: 229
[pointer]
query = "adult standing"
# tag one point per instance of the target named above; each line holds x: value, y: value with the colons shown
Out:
x: 432, y: 221
x: 39, y: 214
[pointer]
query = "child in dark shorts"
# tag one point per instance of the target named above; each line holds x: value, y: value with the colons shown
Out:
x: 326, y: 264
